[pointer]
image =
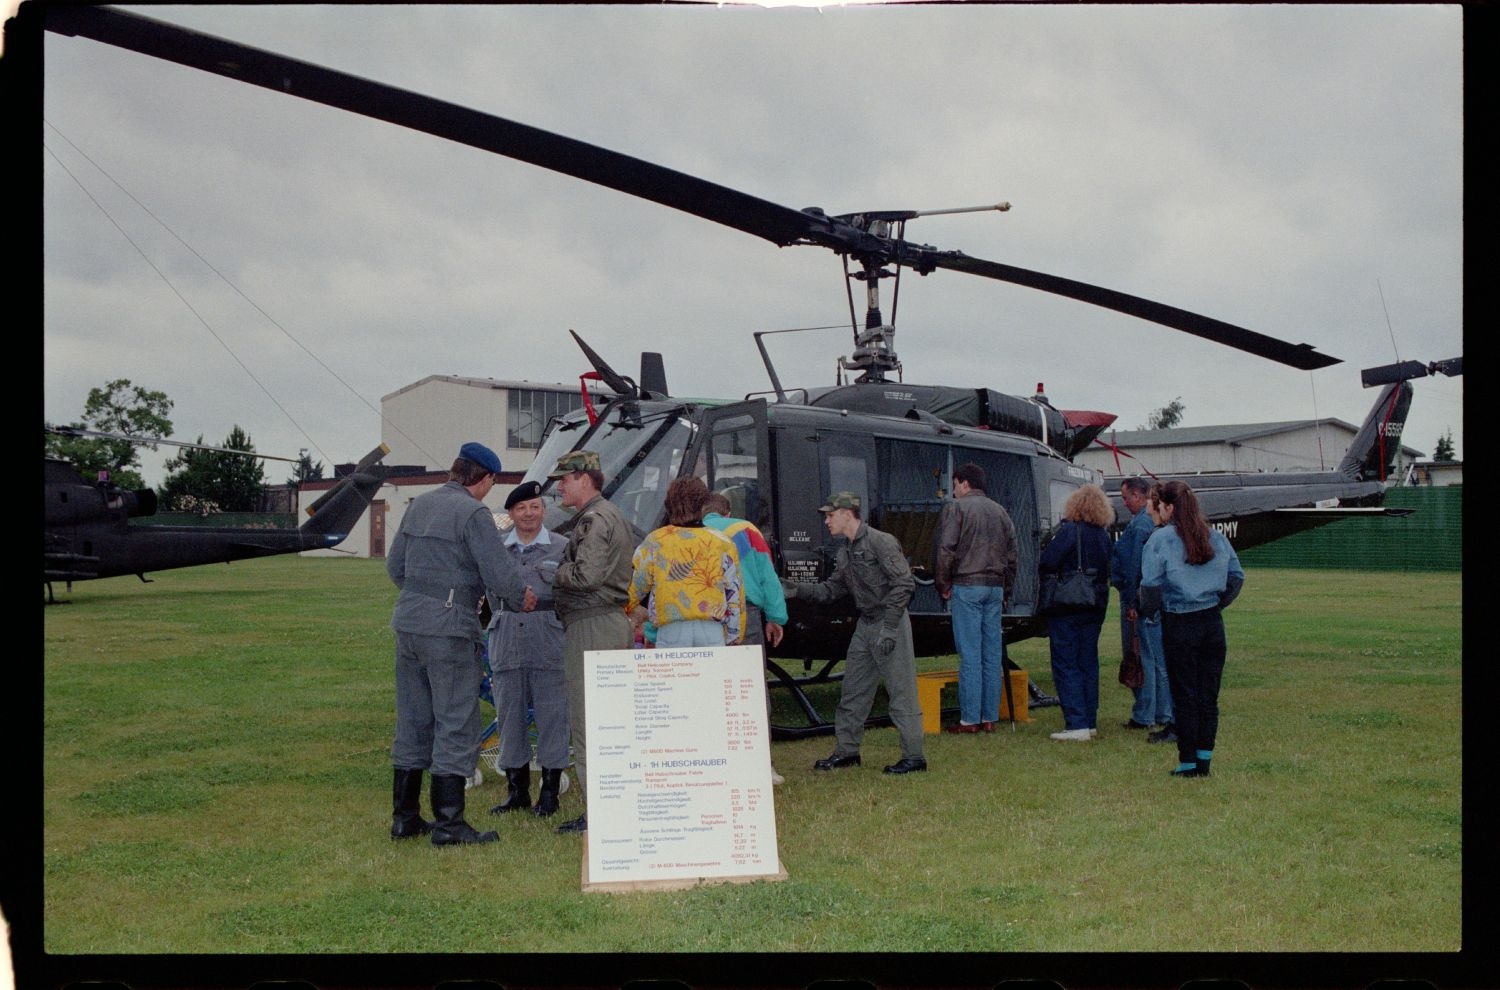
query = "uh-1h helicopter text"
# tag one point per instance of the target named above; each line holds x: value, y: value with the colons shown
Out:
x: 778, y: 454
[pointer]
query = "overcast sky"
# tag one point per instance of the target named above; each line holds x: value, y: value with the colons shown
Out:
x: 1277, y: 167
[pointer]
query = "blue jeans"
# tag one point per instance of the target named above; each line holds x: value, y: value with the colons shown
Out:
x: 691, y: 632
x: 976, y: 633
x: 1153, y: 702
x: 1074, y: 642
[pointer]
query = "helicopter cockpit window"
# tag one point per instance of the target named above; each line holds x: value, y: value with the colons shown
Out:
x: 639, y: 460
x: 847, y: 474
x: 639, y: 455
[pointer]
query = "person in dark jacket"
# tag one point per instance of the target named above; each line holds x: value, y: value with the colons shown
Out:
x: 1074, y: 637
x: 976, y: 563
x: 446, y: 555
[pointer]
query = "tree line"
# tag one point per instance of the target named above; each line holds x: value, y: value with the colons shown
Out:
x: 196, y: 480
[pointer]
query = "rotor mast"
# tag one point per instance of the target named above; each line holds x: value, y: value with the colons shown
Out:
x: 874, y: 351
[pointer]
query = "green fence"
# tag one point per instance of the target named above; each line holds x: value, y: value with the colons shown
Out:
x: 249, y: 520
x: 1430, y: 539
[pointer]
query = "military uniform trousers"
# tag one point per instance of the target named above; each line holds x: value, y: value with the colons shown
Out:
x: 437, y: 704
x: 864, y: 669
x: 606, y: 628
x: 546, y: 691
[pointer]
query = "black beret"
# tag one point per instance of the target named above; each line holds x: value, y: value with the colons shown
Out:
x: 525, y: 491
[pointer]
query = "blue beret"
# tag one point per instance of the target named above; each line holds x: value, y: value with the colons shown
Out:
x: 481, y: 455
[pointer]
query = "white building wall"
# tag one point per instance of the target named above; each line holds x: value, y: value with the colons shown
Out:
x: 1292, y: 450
x: 427, y: 421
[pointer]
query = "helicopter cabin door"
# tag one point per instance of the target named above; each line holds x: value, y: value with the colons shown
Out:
x: 732, y: 459
x: 810, y: 466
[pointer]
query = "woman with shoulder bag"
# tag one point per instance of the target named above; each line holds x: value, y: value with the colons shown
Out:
x: 1074, y: 618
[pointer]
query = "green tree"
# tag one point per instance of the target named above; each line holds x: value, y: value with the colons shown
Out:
x: 232, y: 482
x: 1444, y: 451
x: 118, y: 407
x: 306, y: 470
x: 1166, y: 417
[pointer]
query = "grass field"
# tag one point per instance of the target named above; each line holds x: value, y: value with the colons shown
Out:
x: 217, y: 781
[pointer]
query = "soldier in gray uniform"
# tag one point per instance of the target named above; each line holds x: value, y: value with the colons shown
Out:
x: 872, y: 569
x: 446, y: 555
x: 590, y: 590
x: 526, y: 659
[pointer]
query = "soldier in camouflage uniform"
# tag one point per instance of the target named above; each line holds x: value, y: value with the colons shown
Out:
x: 590, y: 590
x: 872, y: 569
x: 444, y: 558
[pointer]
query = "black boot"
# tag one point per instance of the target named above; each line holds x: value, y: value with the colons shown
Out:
x: 406, y: 820
x: 448, y: 808
x: 518, y: 779
x: 546, y: 801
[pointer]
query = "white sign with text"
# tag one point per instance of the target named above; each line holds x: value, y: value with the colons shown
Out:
x: 679, y: 765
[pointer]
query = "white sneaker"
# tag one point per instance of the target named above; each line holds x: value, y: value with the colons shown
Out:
x: 776, y: 778
x: 1073, y: 735
x: 1093, y: 733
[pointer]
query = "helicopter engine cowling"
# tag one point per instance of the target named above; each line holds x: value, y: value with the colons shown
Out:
x: 984, y: 408
x: 141, y: 502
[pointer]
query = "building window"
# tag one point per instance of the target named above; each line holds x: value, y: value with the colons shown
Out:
x: 529, y: 412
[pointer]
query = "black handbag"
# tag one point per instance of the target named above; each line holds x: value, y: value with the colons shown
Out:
x: 1075, y: 591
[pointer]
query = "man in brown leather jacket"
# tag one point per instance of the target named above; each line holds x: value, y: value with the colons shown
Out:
x: 976, y: 562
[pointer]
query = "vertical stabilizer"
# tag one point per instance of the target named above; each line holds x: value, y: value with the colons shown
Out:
x: 1373, y: 452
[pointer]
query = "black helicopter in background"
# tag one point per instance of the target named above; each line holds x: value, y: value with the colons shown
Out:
x: 777, y: 454
x: 87, y: 531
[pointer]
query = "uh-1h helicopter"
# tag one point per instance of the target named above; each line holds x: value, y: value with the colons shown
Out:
x: 87, y: 531
x: 778, y: 454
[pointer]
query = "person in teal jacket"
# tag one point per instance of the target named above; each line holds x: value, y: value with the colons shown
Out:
x: 765, y: 613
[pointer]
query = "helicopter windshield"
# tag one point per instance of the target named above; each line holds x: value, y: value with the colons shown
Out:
x: 640, y: 450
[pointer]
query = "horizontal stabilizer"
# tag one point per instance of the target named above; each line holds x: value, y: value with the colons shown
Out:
x: 1401, y: 371
x: 336, y: 511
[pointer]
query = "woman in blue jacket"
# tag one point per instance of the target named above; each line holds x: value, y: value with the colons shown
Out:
x: 1190, y: 573
x: 1074, y: 637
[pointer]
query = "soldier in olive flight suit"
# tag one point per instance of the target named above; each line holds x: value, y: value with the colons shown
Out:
x: 445, y: 556
x: 590, y: 590
x: 873, y: 570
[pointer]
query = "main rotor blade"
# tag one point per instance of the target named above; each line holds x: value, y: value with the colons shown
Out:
x: 1303, y: 356
x: 720, y: 204
x: 607, y: 374
x: 72, y: 431
x: 779, y: 224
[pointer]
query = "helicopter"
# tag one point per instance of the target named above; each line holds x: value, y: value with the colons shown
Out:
x: 778, y: 454
x: 87, y: 532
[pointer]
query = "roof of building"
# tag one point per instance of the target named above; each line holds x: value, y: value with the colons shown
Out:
x: 1234, y: 433
x: 497, y: 384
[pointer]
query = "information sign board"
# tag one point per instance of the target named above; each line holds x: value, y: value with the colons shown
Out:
x: 679, y: 767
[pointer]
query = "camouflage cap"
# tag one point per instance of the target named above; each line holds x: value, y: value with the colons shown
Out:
x: 578, y: 460
x: 840, y: 500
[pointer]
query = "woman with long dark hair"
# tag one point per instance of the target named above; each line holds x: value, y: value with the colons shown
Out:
x: 1081, y: 543
x: 1190, y: 574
